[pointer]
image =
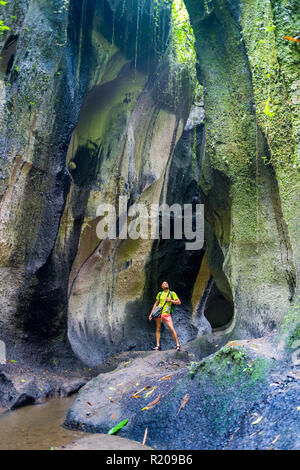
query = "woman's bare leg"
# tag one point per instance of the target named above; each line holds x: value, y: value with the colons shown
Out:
x: 157, y: 331
x: 173, y: 332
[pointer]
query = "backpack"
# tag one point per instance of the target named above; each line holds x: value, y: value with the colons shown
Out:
x: 172, y: 306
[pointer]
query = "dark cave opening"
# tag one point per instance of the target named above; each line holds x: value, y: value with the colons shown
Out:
x: 217, y: 309
x: 8, y: 54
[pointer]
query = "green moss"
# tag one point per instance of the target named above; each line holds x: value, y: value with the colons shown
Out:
x: 263, y: 31
x: 250, y: 138
x: 294, y: 336
x: 106, y: 111
x: 182, y: 40
x: 229, y: 382
x: 230, y: 124
x: 289, y: 329
x: 127, y: 250
x: 232, y: 364
x: 291, y: 316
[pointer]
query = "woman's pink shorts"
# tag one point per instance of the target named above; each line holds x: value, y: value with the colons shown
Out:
x: 167, y: 319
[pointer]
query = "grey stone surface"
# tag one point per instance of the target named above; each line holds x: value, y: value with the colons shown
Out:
x: 105, y: 442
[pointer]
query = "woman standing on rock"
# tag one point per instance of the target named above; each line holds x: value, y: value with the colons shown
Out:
x: 165, y: 299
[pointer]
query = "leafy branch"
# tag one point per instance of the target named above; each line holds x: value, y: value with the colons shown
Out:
x: 3, y: 27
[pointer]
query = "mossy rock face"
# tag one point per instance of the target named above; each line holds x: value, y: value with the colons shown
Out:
x: 206, y: 403
x: 274, y: 63
x: 288, y: 339
x: 110, y: 292
x: 49, y: 194
x: 126, y: 134
x: 239, y: 397
x: 256, y: 223
x: 34, y: 181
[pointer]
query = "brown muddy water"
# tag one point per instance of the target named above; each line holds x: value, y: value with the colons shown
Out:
x: 37, y: 427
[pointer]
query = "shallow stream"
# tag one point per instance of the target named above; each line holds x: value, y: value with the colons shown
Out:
x: 37, y: 427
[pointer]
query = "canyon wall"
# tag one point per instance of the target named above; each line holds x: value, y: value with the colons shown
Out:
x: 94, y: 106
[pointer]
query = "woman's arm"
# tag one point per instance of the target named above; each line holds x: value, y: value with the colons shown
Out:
x: 175, y: 302
x: 156, y: 303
